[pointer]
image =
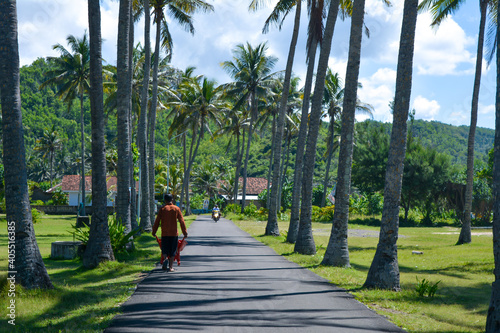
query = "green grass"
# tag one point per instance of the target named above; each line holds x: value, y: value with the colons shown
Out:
x: 466, y: 273
x: 82, y: 299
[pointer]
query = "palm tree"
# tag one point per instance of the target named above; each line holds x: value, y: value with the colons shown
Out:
x: 384, y: 270
x: 440, y: 9
x: 48, y: 144
x: 337, y: 252
x: 314, y: 38
x: 305, y: 241
x: 99, y: 245
x: 493, y: 318
x: 333, y: 97
x: 234, y: 125
x: 123, y: 94
x: 251, y: 69
x: 71, y: 75
x: 282, y: 8
x: 180, y: 11
x: 142, y: 135
x: 199, y: 102
x: 30, y: 269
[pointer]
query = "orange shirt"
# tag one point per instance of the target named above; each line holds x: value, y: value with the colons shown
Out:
x: 169, y: 214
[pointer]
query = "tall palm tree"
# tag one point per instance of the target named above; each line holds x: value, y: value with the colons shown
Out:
x: 28, y: 265
x: 48, y: 144
x: 234, y: 125
x: 305, y: 241
x: 337, y: 252
x: 145, y: 212
x: 180, y: 11
x: 493, y: 318
x: 281, y: 9
x: 384, y: 270
x: 333, y: 97
x: 251, y: 69
x: 199, y: 102
x: 99, y: 245
x: 314, y: 38
x: 124, y: 104
x: 440, y: 10
x: 71, y: 75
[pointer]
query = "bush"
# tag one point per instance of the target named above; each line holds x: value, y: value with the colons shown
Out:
x: 322, y: 214
x: 425, y: 287
x: 38, y: 203
x: 119, y: 239
x: 250, y: 210
x: 262, y: 197
x: 196, y: 201
x: 36, y: 215
x: 232, y: 208
x: 59, y: 198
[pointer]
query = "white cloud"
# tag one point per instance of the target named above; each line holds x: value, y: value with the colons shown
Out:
x: 425, y: 109
x: 486, y: 109
x: 378, y: 90
x: 442, y: 50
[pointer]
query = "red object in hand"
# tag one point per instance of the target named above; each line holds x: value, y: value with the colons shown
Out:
x: 181, y: 244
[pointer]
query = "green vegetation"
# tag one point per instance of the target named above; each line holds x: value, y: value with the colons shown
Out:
x: 461, y: 275
x: 81, y: 297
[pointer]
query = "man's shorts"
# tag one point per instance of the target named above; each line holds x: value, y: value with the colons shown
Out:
x: 169, y: 245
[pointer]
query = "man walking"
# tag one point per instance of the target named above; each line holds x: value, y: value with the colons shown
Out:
x: 168, y: 215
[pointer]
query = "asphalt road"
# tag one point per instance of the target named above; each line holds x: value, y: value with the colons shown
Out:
x: 230, y: 282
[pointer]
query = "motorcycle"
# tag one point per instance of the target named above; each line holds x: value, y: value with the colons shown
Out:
x: 216, y: 216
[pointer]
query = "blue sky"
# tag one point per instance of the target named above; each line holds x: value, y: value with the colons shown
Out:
x: 444, y: 59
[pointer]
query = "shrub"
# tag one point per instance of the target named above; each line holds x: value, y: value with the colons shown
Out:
x: 119, y: 239
x: 250, y: 210
x: 232, y: 208
x: 262, y: 197
x: 196, y: 201
x: 425, y: 287
x: 59, y: 197
x: 36, y: 215
x: 38, y: 203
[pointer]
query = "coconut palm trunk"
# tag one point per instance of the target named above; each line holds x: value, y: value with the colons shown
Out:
x: 270, y: 170
x: 274, y: 203
x: 142, y: 136
x: 152, y: 124
x: 28, y: 264
x: 293, y: 227
x: 305, y: 241
x: 133, y: 191
x: 99, y: 245
x: 465, y: 233
x: 239, y: 156
x: 123, y: 109
x: 82, y: 152
x: 337, y: 252
x: 384, y: 270
x: 253, y: 115
x: 493, y: 318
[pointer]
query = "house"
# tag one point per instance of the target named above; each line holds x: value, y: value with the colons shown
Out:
x: 71, y: 185
x: 255, y: 185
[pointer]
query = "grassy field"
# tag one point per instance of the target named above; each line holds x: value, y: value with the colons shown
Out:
x: 82, y: 299
x: 465, y: 273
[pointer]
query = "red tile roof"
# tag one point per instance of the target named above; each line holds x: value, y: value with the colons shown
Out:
x: 255, y: 185
x: 72, y: 183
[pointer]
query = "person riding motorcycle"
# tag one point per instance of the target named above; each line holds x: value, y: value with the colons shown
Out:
x: 214, y: 210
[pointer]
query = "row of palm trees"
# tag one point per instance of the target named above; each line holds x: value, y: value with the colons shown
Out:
x: 384, y: 271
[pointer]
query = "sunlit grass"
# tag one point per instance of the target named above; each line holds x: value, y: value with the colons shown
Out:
x: 466, y: 273
x: 82, y: 299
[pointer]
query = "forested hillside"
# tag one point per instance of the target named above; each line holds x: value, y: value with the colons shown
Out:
x: 42, y: 110
x: 447, y: 139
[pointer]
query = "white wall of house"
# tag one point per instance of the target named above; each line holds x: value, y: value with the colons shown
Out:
x: 73, y: 199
